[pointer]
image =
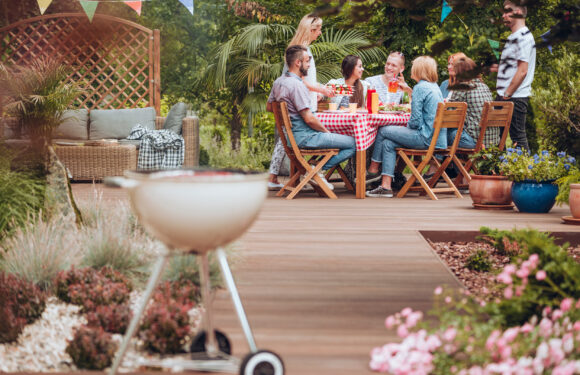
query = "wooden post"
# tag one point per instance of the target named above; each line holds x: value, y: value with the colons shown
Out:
x: 157, y: 71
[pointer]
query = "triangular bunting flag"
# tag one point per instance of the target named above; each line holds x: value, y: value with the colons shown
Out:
x: 494, y: 44
x: 188, y: 4
x: 136, y: 5
x: 544, y: 37
x: 445, y: 10
x: 43, y: 5
x: 89, y: 7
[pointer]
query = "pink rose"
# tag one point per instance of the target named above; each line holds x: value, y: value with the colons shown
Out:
x: 527, y: 328
x: 508, y: 292
x: 449, y: 334
x: 402, y: 331
x: 438, y: 290
x: 541, y: 275
x: 406, y: 311
x: 566, y: 304
x: 390, y: 322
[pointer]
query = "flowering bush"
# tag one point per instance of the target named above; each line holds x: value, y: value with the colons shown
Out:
x: 479, y: 337
x: 519, y: 165
x: 487, y: 161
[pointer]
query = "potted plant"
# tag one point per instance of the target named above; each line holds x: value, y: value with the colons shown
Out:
x: 36, y: 96
x: 569, y: 193
x: 488, y: 188
x: 534, y: 189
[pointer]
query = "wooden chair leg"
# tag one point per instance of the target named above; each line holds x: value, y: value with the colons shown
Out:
x: 290, y: 185
x: 416, y: 176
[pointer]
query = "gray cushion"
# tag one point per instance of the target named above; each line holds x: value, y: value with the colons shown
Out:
x: 75, y: 125
x: 175, y: 117
x: 117, y: 123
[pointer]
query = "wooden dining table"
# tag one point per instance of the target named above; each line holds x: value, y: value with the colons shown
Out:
x: 363, y: 127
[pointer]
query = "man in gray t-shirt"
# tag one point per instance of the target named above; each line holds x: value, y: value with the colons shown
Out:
x: 516, y: 69
x: 308, y: 131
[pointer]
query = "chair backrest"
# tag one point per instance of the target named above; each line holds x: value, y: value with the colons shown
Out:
x: 450, y: 115
x: 284, y: 126
x: 495, y: 115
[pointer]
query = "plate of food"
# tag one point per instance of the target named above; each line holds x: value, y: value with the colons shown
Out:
x: 391, y: 112
x: 402, y: 108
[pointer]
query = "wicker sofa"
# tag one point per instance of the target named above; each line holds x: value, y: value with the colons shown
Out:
x: 93, y: 160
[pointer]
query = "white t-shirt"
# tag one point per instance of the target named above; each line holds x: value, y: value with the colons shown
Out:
x: 520, y: 46
x: 311, y: 79
x: 377, y: 83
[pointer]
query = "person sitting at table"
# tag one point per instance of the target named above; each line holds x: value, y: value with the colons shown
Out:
x: 394, y: 67
x: 419, y: 130
x: 307, y: 129
x: 445, y: 84
x: 352, y: 70
x: 473, y: 91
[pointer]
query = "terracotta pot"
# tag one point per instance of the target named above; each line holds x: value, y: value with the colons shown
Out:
x: 574, y: 200
x: 490, y: 190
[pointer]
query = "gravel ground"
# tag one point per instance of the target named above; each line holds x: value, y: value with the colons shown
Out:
x: 41, y: 346
x: 482, y: 284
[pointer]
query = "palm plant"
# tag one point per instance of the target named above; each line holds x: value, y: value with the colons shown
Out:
x: 248, y: 63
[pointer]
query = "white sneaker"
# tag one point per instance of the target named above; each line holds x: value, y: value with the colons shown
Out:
x: 274, y: 185
x: 330, y: 186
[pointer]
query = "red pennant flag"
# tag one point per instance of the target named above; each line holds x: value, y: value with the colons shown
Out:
x: 136, y: 5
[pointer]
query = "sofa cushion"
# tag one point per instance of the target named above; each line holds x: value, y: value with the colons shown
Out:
x: 117, y: 123
x: 175, y: 117
x: 75, y: 125
x: 134, y: 142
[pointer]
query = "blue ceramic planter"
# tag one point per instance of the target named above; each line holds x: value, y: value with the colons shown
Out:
x: 534, y: 196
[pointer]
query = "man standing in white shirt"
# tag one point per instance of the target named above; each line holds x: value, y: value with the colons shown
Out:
x: 516, y: 69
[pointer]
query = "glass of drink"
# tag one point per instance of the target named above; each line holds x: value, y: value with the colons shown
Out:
x: 393, y: 85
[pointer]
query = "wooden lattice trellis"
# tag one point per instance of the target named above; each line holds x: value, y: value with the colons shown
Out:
x: 117, y: 61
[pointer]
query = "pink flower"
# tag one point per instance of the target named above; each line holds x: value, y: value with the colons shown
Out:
x: 390, y: 322
x: 520, y: 290
x: 447, y: 299
x: 534, y: 258
x: 527, y: 328
x: 541, y: 275
x: 490, y: 343
x: 557, y: 314
x: 504, y: 278
x: 402, y: 331
x: 577, y: 326
x: 406, y: 311
x: 509, y: 269
x: 508, y: 292
x: 566, y: 304
x: 545, y: 327
x: 449, y: 334
x: 438, y: 290
x: 510, y: 334
x: 506, y: 352
x: 413, y: 319
x: 522, y: 273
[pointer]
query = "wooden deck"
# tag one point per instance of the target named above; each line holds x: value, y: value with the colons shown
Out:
x: 318, y: 276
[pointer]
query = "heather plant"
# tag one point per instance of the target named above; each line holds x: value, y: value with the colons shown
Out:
x: 22, y: 303
x: 91, y: 348
x: 111, y: 318
x: 39, y: 250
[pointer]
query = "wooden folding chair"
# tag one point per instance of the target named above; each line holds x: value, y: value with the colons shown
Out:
x: 494, y: 115
x: 450, y: 116
x: 307, y: 162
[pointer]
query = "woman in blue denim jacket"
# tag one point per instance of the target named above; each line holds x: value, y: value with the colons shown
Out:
x: 419, y: 131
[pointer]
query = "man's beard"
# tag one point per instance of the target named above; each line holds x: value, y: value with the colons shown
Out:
x: 303, y: 71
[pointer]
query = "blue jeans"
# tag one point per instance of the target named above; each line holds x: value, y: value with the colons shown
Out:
x: 391, y: 137
x: 466, y: 141
x: 309, y: 138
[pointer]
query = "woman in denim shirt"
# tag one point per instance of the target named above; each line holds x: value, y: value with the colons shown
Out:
x: 419, y: 131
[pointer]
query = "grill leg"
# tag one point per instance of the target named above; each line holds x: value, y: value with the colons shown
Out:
x: 152, y: 283
x: 229, y: 279
x: 210, y: 342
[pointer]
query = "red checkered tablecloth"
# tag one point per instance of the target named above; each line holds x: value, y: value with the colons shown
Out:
x: 362, y: 126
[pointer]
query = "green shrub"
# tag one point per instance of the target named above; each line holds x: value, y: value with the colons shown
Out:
x: 91, y: 348
x: 185, y: 268
x: 479, y: 261
x: 21, y: 195
x: 557, y: 96
x: 39, y: 250
x: 560, y: 274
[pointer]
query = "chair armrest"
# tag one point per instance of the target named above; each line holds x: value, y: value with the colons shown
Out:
x: 190, y: 133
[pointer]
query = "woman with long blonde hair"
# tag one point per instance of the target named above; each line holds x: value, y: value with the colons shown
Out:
x: 308, y: 30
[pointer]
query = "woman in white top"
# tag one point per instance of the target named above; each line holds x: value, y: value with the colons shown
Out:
x: 394, y: 67
x: 309, y: 29
x: 352, y: 71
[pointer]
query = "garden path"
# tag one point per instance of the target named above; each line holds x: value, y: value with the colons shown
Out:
x: 318, y: 277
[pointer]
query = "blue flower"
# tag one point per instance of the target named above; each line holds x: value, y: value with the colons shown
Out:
x: 515, y: 159
x: 571, y: 159
x: 530, y: 167
x: 504, y: 161
x: 519, y: 151
x: 536, y: 156
x: 545, y: 153
x: 502, y: 158
x: 510, y: 149
x: 567, y: 166
x: 561, y: 154
x: 536, y: 161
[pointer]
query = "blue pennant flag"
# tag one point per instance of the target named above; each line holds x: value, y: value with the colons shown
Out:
x: 544, y: 37
x: 445, y: 10
x: 188, y: 4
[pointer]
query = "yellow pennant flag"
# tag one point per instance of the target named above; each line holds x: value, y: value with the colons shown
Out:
x: 43, y: 5
x: 135, y: 5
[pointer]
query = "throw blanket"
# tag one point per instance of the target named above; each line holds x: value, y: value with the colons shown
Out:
x: 158, y: 149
